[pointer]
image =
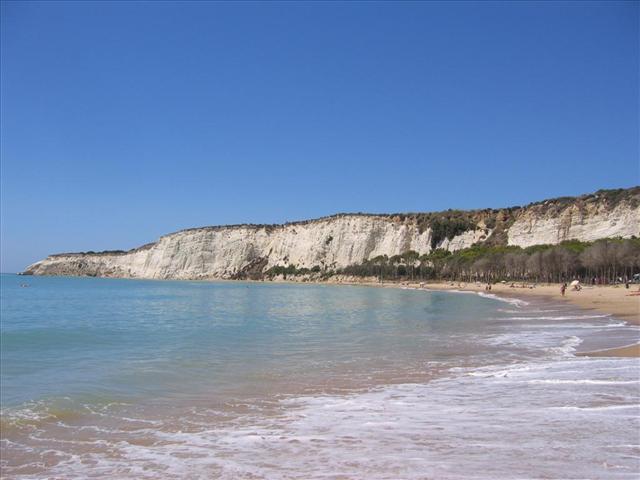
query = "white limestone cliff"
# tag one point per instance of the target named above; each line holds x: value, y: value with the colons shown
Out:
x: 335, y: 242
x: 585, y: 223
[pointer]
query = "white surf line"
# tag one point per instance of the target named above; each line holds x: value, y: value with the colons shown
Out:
x: 513, y: 301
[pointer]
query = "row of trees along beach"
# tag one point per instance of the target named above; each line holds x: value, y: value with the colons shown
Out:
x: 601, y: 262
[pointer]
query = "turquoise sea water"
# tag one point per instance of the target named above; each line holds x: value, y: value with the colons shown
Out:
x: 174, y: 379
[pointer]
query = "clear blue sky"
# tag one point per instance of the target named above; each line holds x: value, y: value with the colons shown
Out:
x: 124, y: 121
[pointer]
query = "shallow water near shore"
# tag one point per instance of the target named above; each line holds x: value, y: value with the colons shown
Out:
x: 162, y: 379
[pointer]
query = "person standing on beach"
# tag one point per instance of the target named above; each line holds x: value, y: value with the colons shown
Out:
x: 563, y: 289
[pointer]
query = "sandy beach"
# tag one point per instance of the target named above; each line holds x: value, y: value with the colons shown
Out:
x: 616, y: 300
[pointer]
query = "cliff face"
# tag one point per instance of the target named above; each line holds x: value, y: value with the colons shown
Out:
x: 334, y: 242
x: 581, y: 221
x: 228, y: 252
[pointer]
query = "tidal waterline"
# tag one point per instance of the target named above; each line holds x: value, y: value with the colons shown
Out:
x: 148, y: 379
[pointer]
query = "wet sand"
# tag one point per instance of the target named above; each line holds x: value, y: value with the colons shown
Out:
x: 628, y: 351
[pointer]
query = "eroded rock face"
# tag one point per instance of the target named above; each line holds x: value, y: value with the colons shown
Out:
x: 336, y: 242
x: 224, y: 252
x: 579, y: 222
